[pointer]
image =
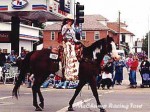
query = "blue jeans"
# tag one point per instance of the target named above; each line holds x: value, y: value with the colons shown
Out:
x: 132, y: 77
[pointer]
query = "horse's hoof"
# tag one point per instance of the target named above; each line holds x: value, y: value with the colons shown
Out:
x: 102, y: 110
x: 41, y: 105
x: 70, y: 109
x: 38, y: 109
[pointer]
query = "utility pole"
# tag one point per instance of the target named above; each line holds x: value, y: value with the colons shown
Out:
x: 148, y: 40
x: 119, y: 31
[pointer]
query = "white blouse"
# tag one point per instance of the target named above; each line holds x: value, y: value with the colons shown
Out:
x: 68, y: 33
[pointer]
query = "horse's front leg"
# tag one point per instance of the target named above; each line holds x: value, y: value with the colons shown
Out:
x: 41, y: 99
x: 92, y: 83
x: 78, y: 89
x: 35, y: 104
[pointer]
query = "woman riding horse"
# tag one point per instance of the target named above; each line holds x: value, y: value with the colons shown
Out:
x: 70, y: 61
x: 41, y: 65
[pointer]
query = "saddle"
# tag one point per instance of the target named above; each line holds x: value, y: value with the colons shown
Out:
x: 59, y: 51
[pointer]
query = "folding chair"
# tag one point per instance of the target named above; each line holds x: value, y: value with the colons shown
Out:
x: 11, y: 74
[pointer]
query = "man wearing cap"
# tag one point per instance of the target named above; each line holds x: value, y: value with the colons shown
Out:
x: 70, y: 60
x: 2, y: 58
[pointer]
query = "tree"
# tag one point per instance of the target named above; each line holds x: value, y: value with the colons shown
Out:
x: 36, y: 23
x: 145, y: 44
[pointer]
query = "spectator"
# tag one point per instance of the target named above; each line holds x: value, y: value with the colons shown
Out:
x: 22, y: 54
x: 144, y: 67
x: 110, y: 66
x: 12, y: 57
x: 106, y: 79
x: 57, y: 80
x: 2, y: 58
x: 134, y: 65
x: 48, y: 81
x: 119, y: 64
x: 99, y: 76
x: 128, y: 64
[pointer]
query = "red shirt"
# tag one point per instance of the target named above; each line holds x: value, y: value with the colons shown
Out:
x: 134, y: 65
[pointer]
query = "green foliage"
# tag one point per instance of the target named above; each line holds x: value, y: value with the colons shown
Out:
x: 145, y: 44
x: 36, y: 23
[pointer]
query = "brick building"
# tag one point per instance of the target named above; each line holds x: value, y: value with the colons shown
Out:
x: 95, y: 27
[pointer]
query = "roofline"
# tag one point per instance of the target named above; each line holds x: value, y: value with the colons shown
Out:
x: 27, y: 26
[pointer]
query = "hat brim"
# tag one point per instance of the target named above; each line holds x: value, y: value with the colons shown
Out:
x: 69, y: 19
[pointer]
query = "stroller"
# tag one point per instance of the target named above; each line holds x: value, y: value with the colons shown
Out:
x: 145, y: 74
x: 145, y: 80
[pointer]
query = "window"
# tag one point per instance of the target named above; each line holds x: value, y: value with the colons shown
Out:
x: 123, y: 38
x: 96, y: 35
x: 83, y: 35
x: 52, y: 35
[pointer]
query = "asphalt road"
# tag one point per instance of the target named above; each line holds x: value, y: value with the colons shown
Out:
x: 121, y: 98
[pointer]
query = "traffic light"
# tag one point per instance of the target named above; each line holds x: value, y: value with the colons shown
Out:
x: 62, y: 5
x: 79, y: 13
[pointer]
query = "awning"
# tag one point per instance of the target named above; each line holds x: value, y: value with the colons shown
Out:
x: 41, y: 10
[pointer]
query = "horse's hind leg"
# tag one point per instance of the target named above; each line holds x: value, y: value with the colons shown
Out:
x: 78, y: 89
x: 92, y: 83
x: 35, y: 89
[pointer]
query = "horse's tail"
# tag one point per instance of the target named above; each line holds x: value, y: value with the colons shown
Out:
x: 23, y: 71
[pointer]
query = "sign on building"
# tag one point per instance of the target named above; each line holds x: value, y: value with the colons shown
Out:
x: 4, y: 36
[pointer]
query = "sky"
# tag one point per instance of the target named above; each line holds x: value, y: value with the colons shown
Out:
x: 136, y: 13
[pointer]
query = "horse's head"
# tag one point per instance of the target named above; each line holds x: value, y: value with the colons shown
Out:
x: 111, y: 47
x: 105, y: 46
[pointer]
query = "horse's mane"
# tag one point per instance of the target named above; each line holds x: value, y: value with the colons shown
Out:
x: 89, y: 50
x: 97, y: 44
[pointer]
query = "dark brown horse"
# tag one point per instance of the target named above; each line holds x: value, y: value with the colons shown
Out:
x: 41, y: 65
x: 89, y: 67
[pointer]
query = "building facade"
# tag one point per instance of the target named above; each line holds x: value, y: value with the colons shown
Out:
x: 27, y: 37
x: 95, y: 27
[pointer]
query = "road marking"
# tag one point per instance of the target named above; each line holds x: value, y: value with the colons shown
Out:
x: 6, y: 97
x: 108, y: 92
x: 6, y: 103
x: 75, y: 104
x: 81, y: 102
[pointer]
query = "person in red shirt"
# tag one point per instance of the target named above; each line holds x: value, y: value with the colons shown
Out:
x: 132, y: 75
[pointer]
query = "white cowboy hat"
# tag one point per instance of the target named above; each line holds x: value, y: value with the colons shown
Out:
x: 69, y: 16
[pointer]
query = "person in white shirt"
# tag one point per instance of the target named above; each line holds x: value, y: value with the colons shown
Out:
x: 70, y: 61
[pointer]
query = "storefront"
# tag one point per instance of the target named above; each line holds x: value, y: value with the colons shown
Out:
x: 27, y: 37
x: 31, y: 10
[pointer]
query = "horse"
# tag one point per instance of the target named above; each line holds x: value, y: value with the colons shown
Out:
x: 89, y: 67
x: 41, y: 65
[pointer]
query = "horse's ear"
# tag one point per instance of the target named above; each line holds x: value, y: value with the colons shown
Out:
x: 109, y: 39
x: 108, y: 36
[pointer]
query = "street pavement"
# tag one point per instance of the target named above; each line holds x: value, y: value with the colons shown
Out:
x: 121, y: 98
